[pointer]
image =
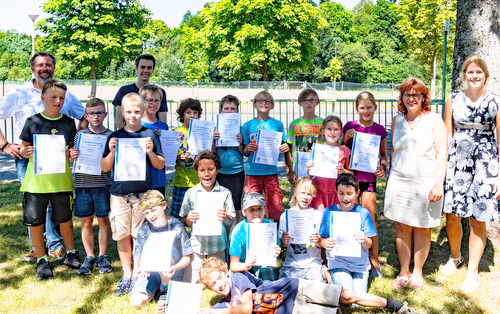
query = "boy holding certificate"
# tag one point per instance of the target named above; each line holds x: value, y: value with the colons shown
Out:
x: 349, y: 269
x: 54, y: 186
x: 153, y: 205
x: 254, y: 210
x: 202, y: 204
x: 125, y: 215
x: 263, y: 177
x: 92, y: 193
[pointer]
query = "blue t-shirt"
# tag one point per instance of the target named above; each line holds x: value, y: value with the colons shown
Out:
x: 353, y: 264
x: 159, y: 177
x: 239, y: 239
x: 231, y: 160
x: 249, y: 131
x: 268, y: 296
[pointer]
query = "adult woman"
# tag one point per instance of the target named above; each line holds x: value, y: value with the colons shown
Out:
x: 472, y: 180
x: 415, y: 186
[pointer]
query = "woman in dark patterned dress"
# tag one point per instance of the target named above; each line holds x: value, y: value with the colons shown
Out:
x: 471, y: 186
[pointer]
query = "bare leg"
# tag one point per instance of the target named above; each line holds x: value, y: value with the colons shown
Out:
x: 454, y: 233
x: 125, y: 252
x: 37, y: 240
x: 369, y: 201
x: 88, y: 235
x: 361, y: 298
x: 67, y: 234
x: 104, y: 232
x: 138, y: 300
x: 422, y: 238
x: 477, y: 242
x: 403, y: 244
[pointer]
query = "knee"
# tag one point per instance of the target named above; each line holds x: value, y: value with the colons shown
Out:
x: 138, y: 300
x: 403, y: 228
x: 347, y: 296
x: 452, y: 219
x: 477, y: 225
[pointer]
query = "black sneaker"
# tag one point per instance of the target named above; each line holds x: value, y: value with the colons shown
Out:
x: 72, y: 260
x: 103, y: 264
x: 43, y: 269
x: 123, y: 286
x: 163, y: 294
x: 87, y: 266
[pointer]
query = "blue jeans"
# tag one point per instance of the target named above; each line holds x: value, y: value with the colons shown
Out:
x: 52, y: 233
x: 350, y: 280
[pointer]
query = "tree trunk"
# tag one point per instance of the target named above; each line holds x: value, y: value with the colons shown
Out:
x: 478, y: 33
x: 93, y: 81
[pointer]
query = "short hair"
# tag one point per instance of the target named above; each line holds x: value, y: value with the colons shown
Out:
x: 476, y: 60
x: 208, y: 266
x: 134, y: 98
x: 188, y: 103
x: 310, y: 185
x: 307, y: 92
x: 42, y: 54
x: 229, y: 98
x: 207, y: 154
x: 419, y: 86
x: 94, y: 102
x: 53, y: 83
x: 347, y: 179
x: 150, y: 89
x: 264, y: 93
x: 328, y: 119
x: 145, y: 57
x: 365, y: 96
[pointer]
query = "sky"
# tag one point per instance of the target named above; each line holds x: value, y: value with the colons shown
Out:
x: 14, y: 13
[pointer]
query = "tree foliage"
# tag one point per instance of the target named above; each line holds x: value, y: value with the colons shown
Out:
x: 333, y: 71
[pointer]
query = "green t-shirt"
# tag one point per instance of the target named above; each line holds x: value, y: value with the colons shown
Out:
x: 302, y: 134
x: 185, y: 175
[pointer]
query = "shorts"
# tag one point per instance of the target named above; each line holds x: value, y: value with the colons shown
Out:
x: 92, y: 200
x: 316, y: 297
x: 35, y: 207
x: 312, y: 273
x: 125, y: 216
x: 368, y: 187
x: 272, y: 193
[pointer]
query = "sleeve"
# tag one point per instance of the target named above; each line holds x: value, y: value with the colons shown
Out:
x: 117, y: 101
x: 74, y: 108
x: 237, y: 241
x: 9, y: 104
x: 290, y: 134
x: 367, y: 225
x: 156, y: 144
x: 245, y: 133
x: 142, y: 236
x: 228, y: 204
x: 184, y: 239
x: 106, y: 147
x: 186, y: 204
x: 383, y: 132
x: 163, y: 105
x: 26, y: 134
x: 282, y: 227
x: 282, y: 130
x: 324, y: 229
x: 74, y: 132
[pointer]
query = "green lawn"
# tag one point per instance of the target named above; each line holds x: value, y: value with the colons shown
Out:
x: 21, y: 291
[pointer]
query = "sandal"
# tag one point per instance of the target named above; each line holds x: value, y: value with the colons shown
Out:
x: 471, y: 282
x: 416, y: 283
x: 400, y: 282
x: 451, y: 266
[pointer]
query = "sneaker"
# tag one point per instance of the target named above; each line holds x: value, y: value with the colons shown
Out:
x: 72, y: 260
x: 30, y: 257
x: 60, y: 253
x: 406, y: 309
x: 103, y: 264
x: 43, y: 269
x: 123, y: 286
x: 451, y: 266
x: 163, y: 294
x: 133, y: 280
x: 471, y: 283
x: 87, y: 266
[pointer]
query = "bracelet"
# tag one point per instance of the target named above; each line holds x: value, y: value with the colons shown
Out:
x: 4, y: 145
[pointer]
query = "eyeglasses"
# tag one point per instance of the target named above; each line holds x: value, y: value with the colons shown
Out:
x: 99, y: 114
x: 152, y: 101
x: 262, y: 101
x: 309, y: 101
x: 414, y: 96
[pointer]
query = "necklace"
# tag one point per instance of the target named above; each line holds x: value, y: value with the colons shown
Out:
x: 415, y: 121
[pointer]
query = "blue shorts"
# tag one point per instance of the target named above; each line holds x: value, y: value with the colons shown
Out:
x: 92, y: 200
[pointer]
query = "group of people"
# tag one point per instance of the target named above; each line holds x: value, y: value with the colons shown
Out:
x: 431, y: 162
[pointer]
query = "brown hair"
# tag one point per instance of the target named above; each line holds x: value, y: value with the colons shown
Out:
x: 207, y: 154
x: 229, y: 99
x: 208, y: 266
x: 476, y: 60
x: 150, y: 89
x: 365, y: 96
x: 94, y: 102
x: 188, y: 103
x: 307, y: 92
x: 328, y: 119
x: 53, y: 83
x: 419, y: 86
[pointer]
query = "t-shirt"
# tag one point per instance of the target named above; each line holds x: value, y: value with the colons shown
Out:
x: 300, y: 255
x: 132, y: 88
x: 185, y: 175
x: 268, y: 296
x: 353, y: 264
x: 302, y: 134
x: 48, y: 183
x: 134, y: 187
x: 376, y: 129
x: 159, y: 177
x: 231, y: 160
x: 83, y: 180
x: 249, y: 131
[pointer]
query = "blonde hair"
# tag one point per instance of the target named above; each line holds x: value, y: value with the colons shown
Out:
x: 308, y: 184
x: 208, y: 266
x: 133, y: 98
x: 476, y: 60
x: 265, y: 94
x: 328, y: 119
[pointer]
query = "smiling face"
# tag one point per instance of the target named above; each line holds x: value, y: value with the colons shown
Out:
x: 145, y: 69
x: 347, y: 197
x: 207, y: 172
x: 309, y: 103
x: 156, y: 215
x: 132, y: 112
x: 263, y: 104
x: 229, y: 107
x: 303, y: 196
x: 413, y: 101
x: 254, y: 214
x: 366, y: 109
x: 53, y: 100
x: 332, y: 133
x: 475, y: 76
x: 43, y: 69
x: 95, y: 116
x: 219, y: 283
x: 152, y: 103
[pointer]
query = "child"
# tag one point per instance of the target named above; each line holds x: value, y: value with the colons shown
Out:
x: 185, y: 175
x: 302, y: 260
x: 349, y: 272
x: 207, y: 165
x: 92, y: 195
x: 243, y: 293
x: 153, y: 205
x: 327, y: 195
x: 125, y: 215
x: 56, y: 188
x: 254, y: 209
x: 366, y: 107
x: 231, y: 174
x: 265, y: 177
x: 153, y: 96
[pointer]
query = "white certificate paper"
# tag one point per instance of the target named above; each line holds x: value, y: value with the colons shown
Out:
x: 301, y: 165
x: 157, y: 251
x: 228, y: 125
x: 130, y: 161
x: 91, y: 147
x: 183, y: 297
x: 200, y: 136
x: 343, y: 225
x: 268, y: 150
x: 207, y: 205
x: 300, y: 225
x: 326, y: 159
x: 50, y: 154
x: 365, y: 152
x: 170, y: 143
x: 261, y: 239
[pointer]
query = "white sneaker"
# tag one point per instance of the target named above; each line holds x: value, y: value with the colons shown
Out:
x: 451, y: 266
x: 471, y: 282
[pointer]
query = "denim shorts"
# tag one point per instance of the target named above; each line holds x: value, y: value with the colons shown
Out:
x: 90, y: 201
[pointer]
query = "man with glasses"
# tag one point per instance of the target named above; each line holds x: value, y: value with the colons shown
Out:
x: 20, y: 104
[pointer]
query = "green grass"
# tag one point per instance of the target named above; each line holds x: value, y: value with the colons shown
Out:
x: 22, y: 292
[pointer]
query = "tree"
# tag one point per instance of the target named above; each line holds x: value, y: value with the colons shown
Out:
x: 94, y: 32
x: 333, y: 71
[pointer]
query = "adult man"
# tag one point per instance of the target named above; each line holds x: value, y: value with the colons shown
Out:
x: 20, y: 104
x: 144, y: 66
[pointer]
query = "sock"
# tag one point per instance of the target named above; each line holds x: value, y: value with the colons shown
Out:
x: 71, y: 251
x: 393, y: 305
x: 45, y: 257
